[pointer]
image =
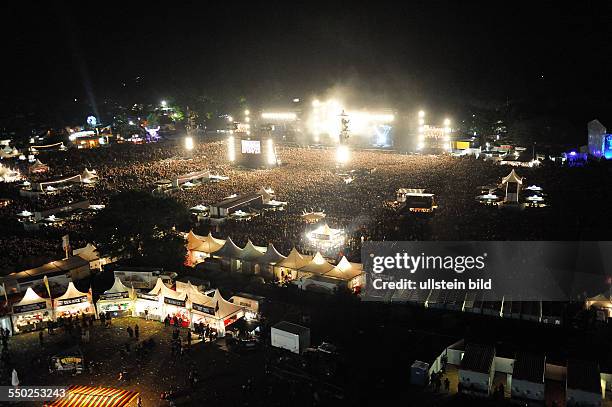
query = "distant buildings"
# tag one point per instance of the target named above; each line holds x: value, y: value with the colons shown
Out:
x: 600, y: 142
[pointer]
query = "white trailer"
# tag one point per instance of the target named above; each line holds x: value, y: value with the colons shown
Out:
x: 292, y: 337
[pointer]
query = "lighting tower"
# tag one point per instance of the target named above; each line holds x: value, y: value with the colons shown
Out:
x: 344, y: 129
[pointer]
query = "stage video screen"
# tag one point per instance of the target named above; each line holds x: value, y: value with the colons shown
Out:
x: 251, y: 147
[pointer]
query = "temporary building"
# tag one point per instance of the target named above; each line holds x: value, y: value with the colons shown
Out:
x: 173, y: 303
x: 287, y: 268
x: 32, y: 312
x: 318, y: 265
x: 352, y: 273
x: 268, y: 260
x: 512, y: 184
x: 215, y: 311
x: 202, y: 247
x: 73, y: 302
x: 230, y: 255
x: 250, y: 254
x: 117, y: 300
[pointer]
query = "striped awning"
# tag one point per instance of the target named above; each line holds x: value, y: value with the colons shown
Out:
x: 87, y: 396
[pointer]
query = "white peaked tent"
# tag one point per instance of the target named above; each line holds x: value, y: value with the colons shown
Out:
x: 31, y: 312
x: 172, y: 303
x: 318, y: 265
x: 73, y: 302
x: 202, y: 247
x: 119, y: 300
x: 214, y: 311
x: 230, y: 255
x: 512, y: 194
x: 352, y: 273
x: 250, y: 255
x: 267, y: 194
x: 312, y: 217
x: 287, y: 268
x: 271, y: 256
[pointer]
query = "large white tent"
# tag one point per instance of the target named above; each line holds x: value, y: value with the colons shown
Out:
x: 318, y: 265
x: 249, y: 256
x: 287, y: 268
x: 173, y: 303
x: 73, y: 302
x: 214, y: 311
x: 32, y: 312
x: 118, y: 300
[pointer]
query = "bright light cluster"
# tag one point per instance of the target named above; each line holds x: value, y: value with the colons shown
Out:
x: 325, y: 119
x: 343, y: 154
x: 189, y: 143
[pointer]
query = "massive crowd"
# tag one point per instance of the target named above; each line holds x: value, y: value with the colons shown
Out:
x: 310, y: 180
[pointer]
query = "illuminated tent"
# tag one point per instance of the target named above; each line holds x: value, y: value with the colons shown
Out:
x: 73, y: 301
x: 352, y: 273
x: 31, y: 311
x: 30, y: 297
x: 87, y: 396
x: 215, y: 311
x: 118, y: 299
x: 510, y: 181
x: 266, y: 193
x: 286, y: 269
x: 161, y: 290
x: 318, y: 265
x: 205, y: 244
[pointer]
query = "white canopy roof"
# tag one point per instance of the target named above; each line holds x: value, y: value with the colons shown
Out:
x: 222, y: 307
x: 230, y: 250
x: 345, y: 270
x: 71, y: 292
x: 206, y: 244
x: 318, y: 265
x: 89, y: 174
x: 252, y: 252
x: 293, y: 261
x: 512, y: 177
x: 30, y: 297
x: 160, y: 289
x: 313, y: 216
x: 118, y: 287
x: 272, y: 256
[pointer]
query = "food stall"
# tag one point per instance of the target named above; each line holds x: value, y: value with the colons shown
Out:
x: 161, y: 302
x: 31, y: 313
x: 73, y: 303
x: 215, y: 311
x: 118, y: 300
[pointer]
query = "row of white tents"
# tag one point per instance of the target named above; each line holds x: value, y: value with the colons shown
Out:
x: 269, y: 263
x: 187, y: 302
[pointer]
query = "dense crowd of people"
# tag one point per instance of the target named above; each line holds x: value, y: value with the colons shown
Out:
x: 308, y: 180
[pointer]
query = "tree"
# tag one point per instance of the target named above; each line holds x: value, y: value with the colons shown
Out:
x: 141, y: 226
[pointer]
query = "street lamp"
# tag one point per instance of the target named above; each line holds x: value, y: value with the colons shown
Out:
x: 164, y: 103
x: 247, y: 112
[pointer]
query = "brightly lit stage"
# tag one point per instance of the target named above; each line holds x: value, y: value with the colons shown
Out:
x: 252, y: 152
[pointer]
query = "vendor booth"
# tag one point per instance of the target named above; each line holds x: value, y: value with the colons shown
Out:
x: 213, y: 311
x: 118, y: 300
x: 173, y: 304
x: 352, y: 273
x: 73, y: 303
x: 286, y: 269
x: 202, y: 247
x: 31, y: 313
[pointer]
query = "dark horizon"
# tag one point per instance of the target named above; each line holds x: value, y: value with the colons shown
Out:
x: 543, y: 59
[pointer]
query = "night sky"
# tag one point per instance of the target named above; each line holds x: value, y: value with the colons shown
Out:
x: 550, y: 58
